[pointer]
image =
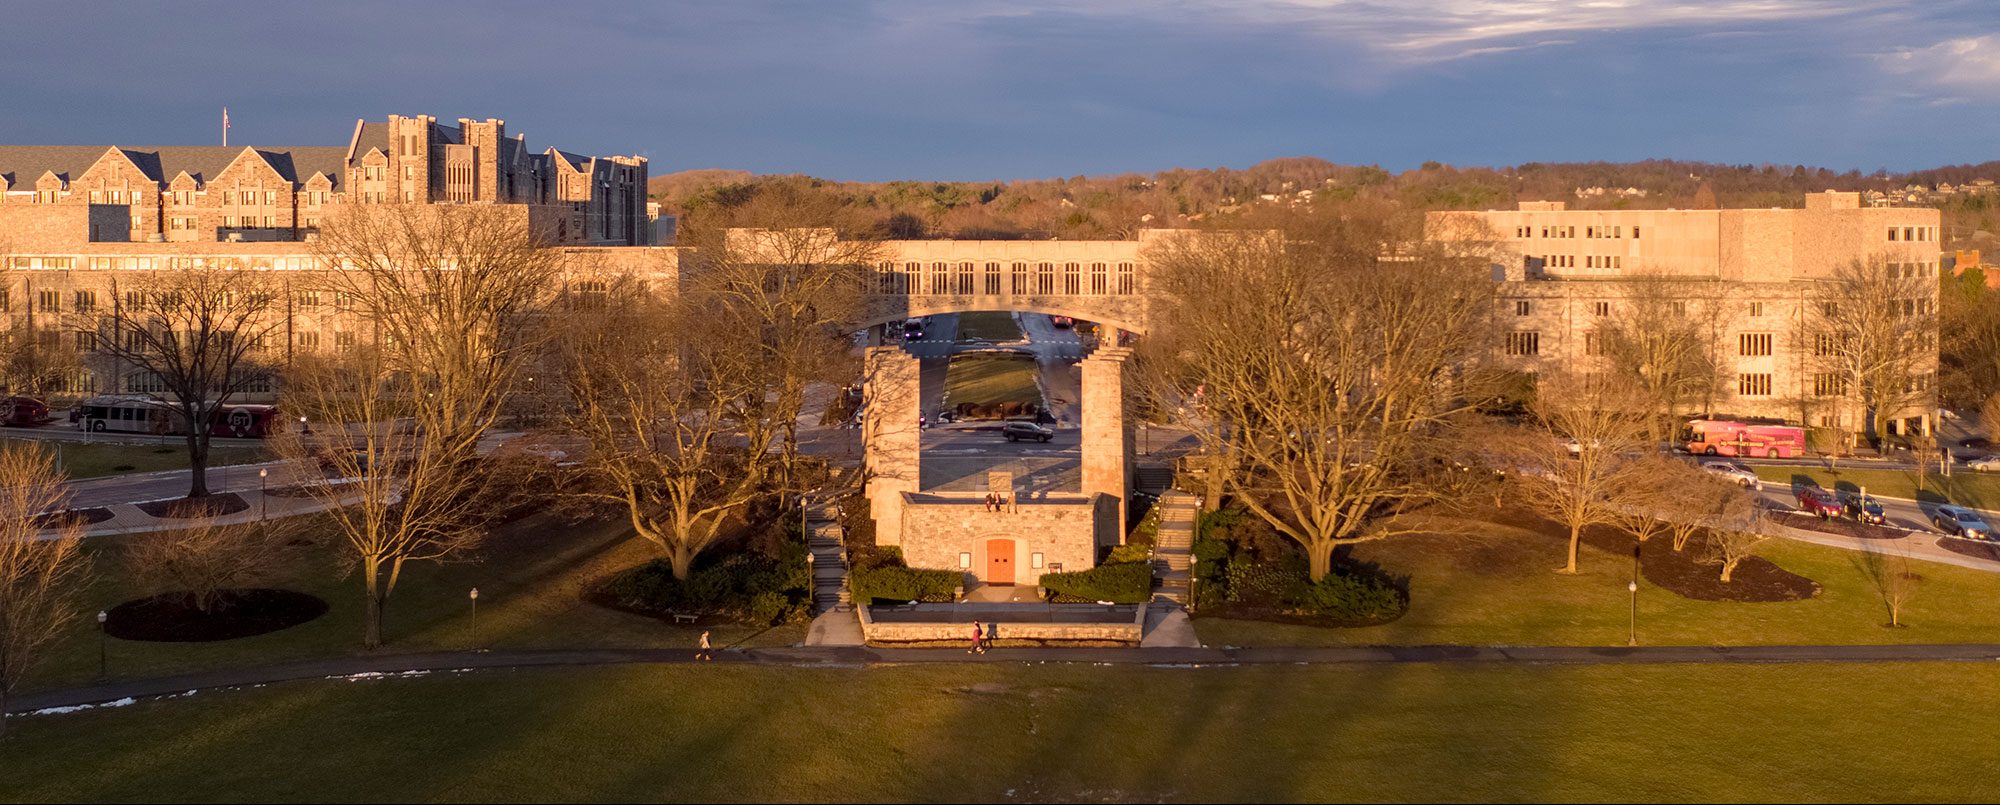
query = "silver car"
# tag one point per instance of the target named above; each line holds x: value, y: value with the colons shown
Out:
x: 1957, y: 522
x: 1741, y: 476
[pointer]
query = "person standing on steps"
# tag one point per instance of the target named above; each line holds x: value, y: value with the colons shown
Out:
x: 704, y: 654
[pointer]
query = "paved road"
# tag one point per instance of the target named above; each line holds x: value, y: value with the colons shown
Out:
x: 448, y: 662
x: 93, y: 492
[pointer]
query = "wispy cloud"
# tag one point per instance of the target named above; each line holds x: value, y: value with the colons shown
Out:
x: 1966, y: 64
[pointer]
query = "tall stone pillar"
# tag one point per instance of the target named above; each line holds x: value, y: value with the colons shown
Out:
x: 1106, y: 445
x: 892, y: 392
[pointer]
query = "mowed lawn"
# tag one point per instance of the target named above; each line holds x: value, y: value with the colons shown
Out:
x: 1481, y: 583
x: 1977, y: 489
x: 955, y: 733
x: 991, y: 326
x: 97, y: 459
x: 531, y: 577
x: 987, y: 378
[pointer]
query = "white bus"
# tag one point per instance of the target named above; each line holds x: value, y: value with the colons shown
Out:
x: 127, y: 414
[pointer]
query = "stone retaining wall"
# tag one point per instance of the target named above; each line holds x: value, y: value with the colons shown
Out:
x: 1127, y: 633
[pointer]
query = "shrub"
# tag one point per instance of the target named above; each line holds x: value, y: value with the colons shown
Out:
x: 1123, y: 583
x: 755, y: 589
x: 1354, y: 598
x: 883, y: 576
x: 1267, y: 583
x: 1129, y: 552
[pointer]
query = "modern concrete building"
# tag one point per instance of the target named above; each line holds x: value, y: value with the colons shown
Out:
x: 1749, y: 275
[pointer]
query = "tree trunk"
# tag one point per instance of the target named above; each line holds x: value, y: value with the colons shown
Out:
x: 197, y: 463
x: 682, y: 560
x: 1728, y: 567
x: 1575, y: 537
x: 1320, y: 559
x: 371, y: 637
x: 3, y: 711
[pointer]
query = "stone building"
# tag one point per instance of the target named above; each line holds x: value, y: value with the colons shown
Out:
x: 1747, y: 275
x: 81, y: 225
x: 222, y: 193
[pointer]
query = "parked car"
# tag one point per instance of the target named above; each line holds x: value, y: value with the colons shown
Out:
x: 1987, y: 464
x: 1977, y: 443
x: 1957, y: 522
x: 1017, y: 431
x: 1816, y: 501
x: 1862, y: 507
x: 1733, y: 473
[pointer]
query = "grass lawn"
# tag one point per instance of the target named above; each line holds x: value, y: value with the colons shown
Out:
x: 991, y: 326
x: 530, y: 577
x: 1978, y: 489
x: 1473, y: 582
x: 97, y: 459
x: 987, y: 378
x: 1812, y: 733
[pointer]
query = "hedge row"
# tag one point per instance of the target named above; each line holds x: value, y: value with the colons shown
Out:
x: 747, y: 587
x: 894, y: 582
x: 1122, y: 583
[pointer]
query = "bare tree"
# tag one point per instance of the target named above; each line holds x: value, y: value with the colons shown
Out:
x: 1654, y: 496
x: 1699, y: 503
x: 1662, y: 336
x: 198, y: 333
x: 1321, y: 367
x: 1578, y: 461
x: 41, y: 571
x: 209, y: 560
x: 1889, y: 574
x: 1734, y: 535
x: 455, y: 296
x: 1873, y: 339
x: 666, y: 441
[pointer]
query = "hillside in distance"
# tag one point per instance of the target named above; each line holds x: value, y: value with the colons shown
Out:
x: 1117, y: 206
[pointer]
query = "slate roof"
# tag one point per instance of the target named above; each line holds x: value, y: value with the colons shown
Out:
x: 23, y: 164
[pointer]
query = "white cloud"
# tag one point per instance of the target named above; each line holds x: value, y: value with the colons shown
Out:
x: 1969, y: 64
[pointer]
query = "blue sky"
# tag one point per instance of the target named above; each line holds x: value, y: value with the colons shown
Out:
x: 986, y: 89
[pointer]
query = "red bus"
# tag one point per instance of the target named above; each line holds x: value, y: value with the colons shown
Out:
x: 1711, y: 437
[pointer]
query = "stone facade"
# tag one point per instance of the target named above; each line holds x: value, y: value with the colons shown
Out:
x: 221, y: 193
x: 1058, y: 531
x: 1107, y: 442
x: 1122, y: 632
x: 890, y: 436
x: 1747, y: 274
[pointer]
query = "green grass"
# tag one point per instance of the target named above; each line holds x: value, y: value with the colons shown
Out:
x: 1820, y: 732
x: 990, y: 326
x: 1979, y: 489
x: 989, y: 378
x: 1485, y: 584
x: 97, y: 459
x: 530, y: 578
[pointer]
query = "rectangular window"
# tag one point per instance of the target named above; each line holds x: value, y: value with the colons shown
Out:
x: 1591, y: 344
x: 343, y: 339
x: 1893, y: 232
x: 1072, y: 278
x: 962, y: 280
x: 1635, y: 233
x: 1756, y: 309
x: 1100, y: 279
x: 1828, y: 384
x: 1523, y: 307
x: 1753, y: 345
x: 85, y: 301
x: 992, y: 277
x: 1045, y: 278
x: 309, y: 299
x: 1823, y: 345
x: 49, y: 301
x: 1600, y: 308
x: 1677, y: 308
x: 1019, y: 284
x: 307, y: 339
x: 1753, y: 385
x: 1524, y: 343
x: 1126, y: 278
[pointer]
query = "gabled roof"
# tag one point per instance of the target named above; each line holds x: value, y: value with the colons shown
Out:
x: 576, y: 163
x: 162, y: 163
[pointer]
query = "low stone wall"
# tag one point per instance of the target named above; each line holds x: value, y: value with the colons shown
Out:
x: 1121, y: 633
x: 937, y: 527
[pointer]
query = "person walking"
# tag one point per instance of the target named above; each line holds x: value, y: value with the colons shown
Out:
x: 978, y: 639
x: 992, y: 633
x: 704, y: 654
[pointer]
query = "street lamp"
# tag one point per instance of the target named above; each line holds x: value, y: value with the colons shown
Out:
x: 263, y: 499
x: 474, y: 595
x: 305, y: 428
x: 103, y: 637
x: 1632, y: 633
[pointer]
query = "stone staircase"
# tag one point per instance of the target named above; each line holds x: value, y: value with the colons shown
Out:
x: 829, y: 558
x: 1173, y: 548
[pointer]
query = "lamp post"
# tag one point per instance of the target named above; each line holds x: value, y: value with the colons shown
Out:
x: 263, y: 499
x: 1632, y: 629
x: 103, y: 638
x: 305, y: 427
x: 474, y: 595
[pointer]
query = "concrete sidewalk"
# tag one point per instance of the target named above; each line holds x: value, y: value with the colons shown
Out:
x: 363, y: 667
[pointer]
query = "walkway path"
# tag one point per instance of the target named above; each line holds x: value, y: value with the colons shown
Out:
x: 1173, y: 544
x: 459, y: 661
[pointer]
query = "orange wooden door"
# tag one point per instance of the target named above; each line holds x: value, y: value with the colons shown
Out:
x: 999, y: 561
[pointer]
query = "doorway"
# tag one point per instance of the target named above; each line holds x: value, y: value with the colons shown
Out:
x: 1000, y: 561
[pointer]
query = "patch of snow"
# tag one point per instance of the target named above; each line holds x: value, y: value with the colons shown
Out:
x: 56, y: 711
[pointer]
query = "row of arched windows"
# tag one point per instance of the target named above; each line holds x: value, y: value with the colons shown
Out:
x: 995, y: 279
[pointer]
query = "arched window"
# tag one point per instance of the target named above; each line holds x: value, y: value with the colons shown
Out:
x: 1072, y: 278
x: 962, y: 280
x: 1020, y: 285
x: 1045, y: 278
x: 913, y: 278
x: 1125, y: 279
x: 886, y: 279
x: 992, y: 285
x: 1100, y: 279
x: 940, y: 278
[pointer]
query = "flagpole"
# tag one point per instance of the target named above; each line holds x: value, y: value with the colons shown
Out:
x: 225, y: 126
